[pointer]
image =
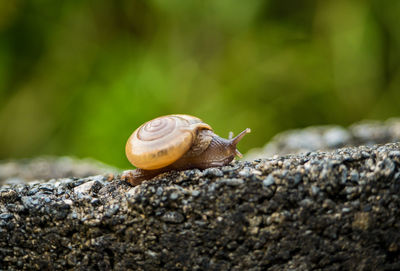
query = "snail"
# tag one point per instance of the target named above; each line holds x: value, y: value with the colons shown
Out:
x: 176, y: 142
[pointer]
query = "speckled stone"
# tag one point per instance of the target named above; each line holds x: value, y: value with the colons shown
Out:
x: 329, y: 137
x: 335, y: 210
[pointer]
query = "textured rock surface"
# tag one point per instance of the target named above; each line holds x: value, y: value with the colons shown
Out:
x: 48, y: 167
x: 330, y: 211
x: 329, y: 137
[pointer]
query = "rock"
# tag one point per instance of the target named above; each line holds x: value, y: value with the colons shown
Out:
x: 90, y: 186
x: 334, y: 210
x: 329, y: 137
x: 45, y: 168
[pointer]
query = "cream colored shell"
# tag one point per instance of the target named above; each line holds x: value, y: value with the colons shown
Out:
x: 161, y: 141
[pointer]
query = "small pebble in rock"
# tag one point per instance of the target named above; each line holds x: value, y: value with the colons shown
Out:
x: 6, y: 216
x: 314, y: 190
x: 306, y: 202
x: 213, y: 172
x: 195, y: 193
x: 354, y: 176
x: 173, y: 196
x: 173, y: 217
x: 394, y: 154
x: 245, y: 173
x: 159, y: 191
x: 232, y: 182
x: 30, y: 202
x: 269, y: 181
x: 87, y: 187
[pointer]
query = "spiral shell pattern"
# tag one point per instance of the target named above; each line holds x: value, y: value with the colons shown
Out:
x: 156, y: 128
x: 162, y: 141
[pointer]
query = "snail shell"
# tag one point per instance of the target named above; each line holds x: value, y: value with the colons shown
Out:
x: 163, y: 140
x: 176, y: 142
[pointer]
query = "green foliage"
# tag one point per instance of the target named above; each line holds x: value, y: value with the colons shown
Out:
x: 77, y: 77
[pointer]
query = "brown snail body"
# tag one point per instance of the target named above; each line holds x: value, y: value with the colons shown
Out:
x: 176, y: 142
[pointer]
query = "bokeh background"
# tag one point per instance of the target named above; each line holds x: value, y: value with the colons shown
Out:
x: 77, y: 77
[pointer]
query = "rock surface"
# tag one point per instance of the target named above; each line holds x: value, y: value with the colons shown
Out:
x: 330, y: 211
x: 329, y: 137
x: 45, y: 168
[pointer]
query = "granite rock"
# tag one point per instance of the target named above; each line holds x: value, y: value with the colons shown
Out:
x: 335, y: 210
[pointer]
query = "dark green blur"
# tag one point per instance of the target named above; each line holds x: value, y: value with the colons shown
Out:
x: 77, y: 77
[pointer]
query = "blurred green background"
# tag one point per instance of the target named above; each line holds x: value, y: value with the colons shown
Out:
x: 77, y: 77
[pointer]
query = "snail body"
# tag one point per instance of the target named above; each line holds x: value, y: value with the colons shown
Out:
x: 176, y: 142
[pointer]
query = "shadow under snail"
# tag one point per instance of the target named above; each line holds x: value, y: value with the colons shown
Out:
x: 176, y: 142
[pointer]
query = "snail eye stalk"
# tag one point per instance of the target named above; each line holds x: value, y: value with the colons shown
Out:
x: 240, y: 136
